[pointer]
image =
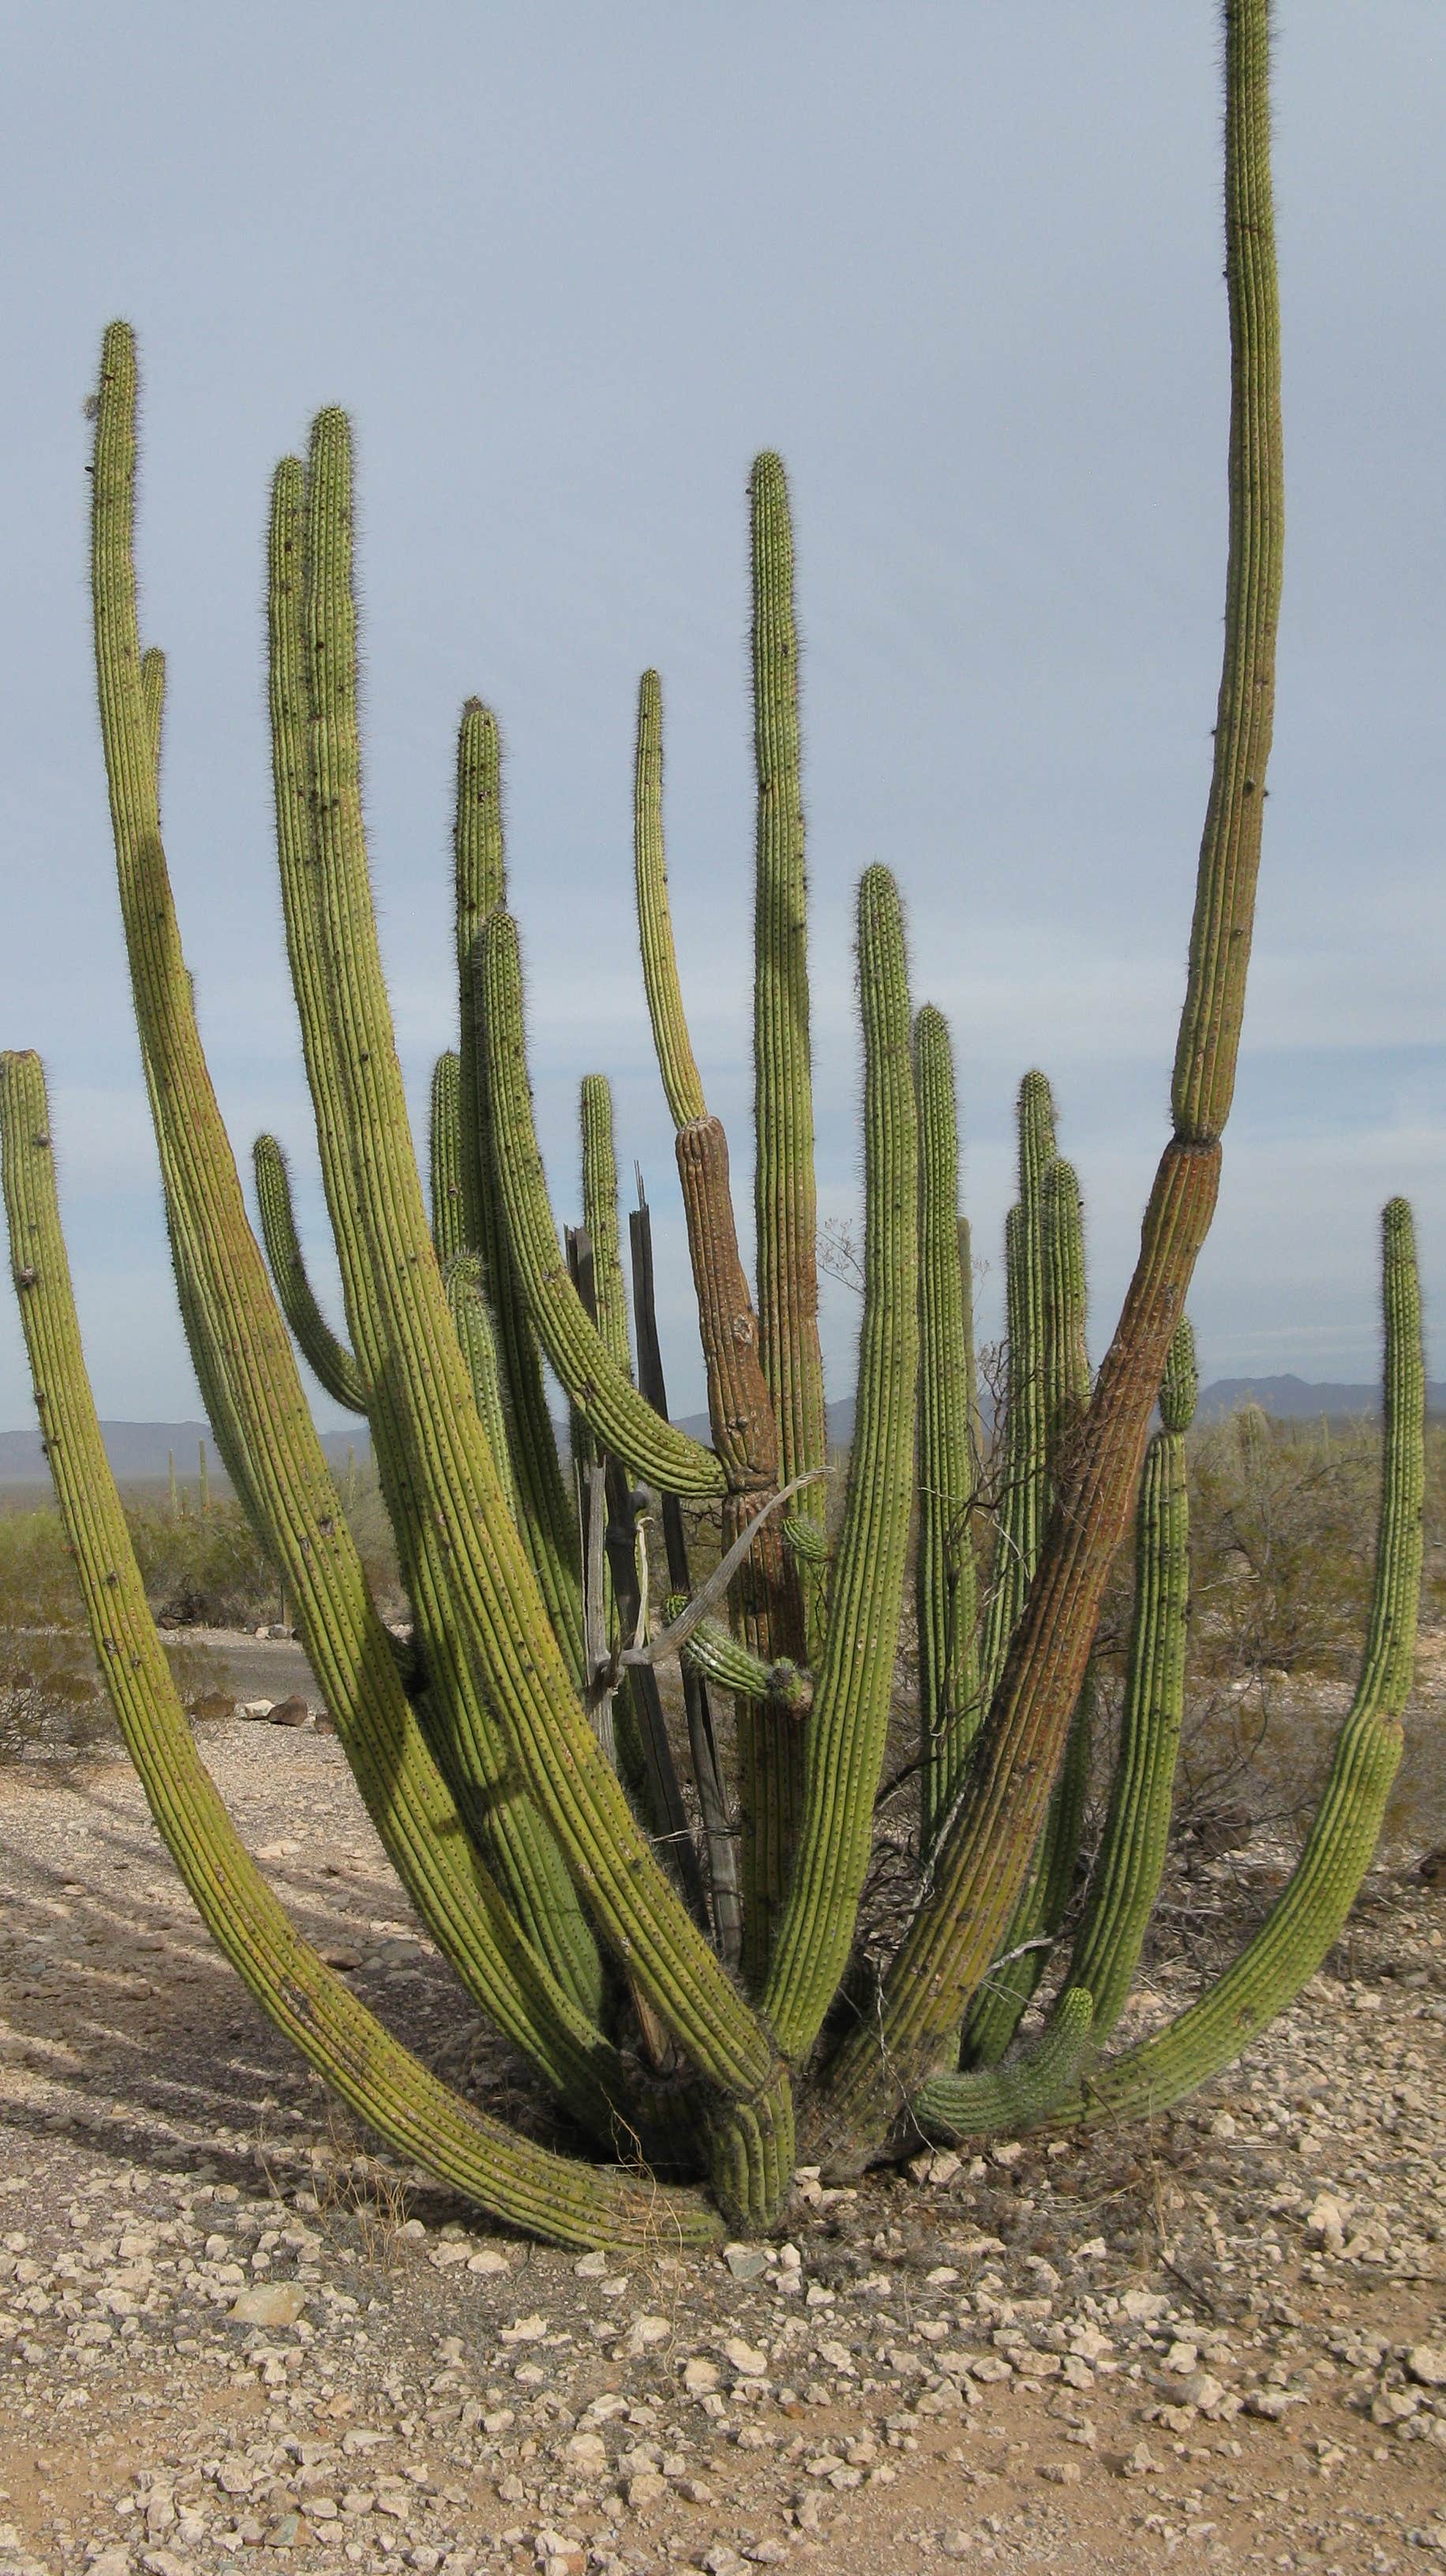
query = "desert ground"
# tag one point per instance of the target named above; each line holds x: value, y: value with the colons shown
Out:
x: 233, y: 2336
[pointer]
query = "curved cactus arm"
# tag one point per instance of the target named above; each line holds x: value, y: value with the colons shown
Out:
x: 526, y: 2185
x: 995, y: 2100
x: 547, y: 1519
x: 1306, y: 1919
x: 449, y: 1213
x: 713, y: 1650
x: 845, y: 1736
x: 682, y: 1082
x: 785, y: 1190
x: 945, y: 1582
x: 241, y: 1350
x: 604, y: 1394
x: 985, y: 1849
x: 325, y: 1355
x: 315, y: 759
x: 671, y: 1640
x: 807, y: 1542
x: 1131, y: 1858
x: 493, y: 1598
x: 1063, y: 1363
x: 479, y: 1350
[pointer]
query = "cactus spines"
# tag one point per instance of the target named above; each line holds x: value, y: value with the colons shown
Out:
x: 1180, y: 1384
x: 1056, y: 1360
x: 449, y: 1223
x: 1014, y: 2096
x: 602, y: 1391
x: 851, y: 1702
x: 326, y: 1356
x: 713, y: 1650
x: 600, y: 1216
x: 945, y: 1584
x: 478, y: 1751
x: 784, y: 1185
x: 1209, y: 1040
x: 1019, y: 1527
x: 546, y: 1517
x: 1126, y: 1876
x: 682, y: 1082
x: 986, y: 1848
x: 1306, y: 1918
x: 518, y: 2181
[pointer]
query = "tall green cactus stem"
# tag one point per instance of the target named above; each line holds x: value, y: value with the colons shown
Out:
x: 1060, y: 1353
x: 479, y: 1349
x: 325, y: 1355
x: 1209, y: 1039
x: 991, y: 2100
x: 1307, y: 1917
x: 602, y: 1391
x: 153, y: 706
x: 449, y: 1220
x: 1066, y: 1353
x: 600, y: 1216
x: 1020, y: 1520
x: 682, y: 1082
x: 516, y: 2181
x: 945, y: 1583
x: 316, y: 772
x: 986, y: 1848
x: 494, y: 1598
x: 768, y: 1603
x: 845, y: 1736
x: 547, y: 1520
x: 784, y: 1187
x: 239, y: 1344
x: 1131, y: 1858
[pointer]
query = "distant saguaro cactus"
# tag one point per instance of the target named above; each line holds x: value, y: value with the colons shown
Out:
x: 670, y: 1943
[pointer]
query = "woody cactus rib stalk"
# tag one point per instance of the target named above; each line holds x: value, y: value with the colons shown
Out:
x: 676, y: 1943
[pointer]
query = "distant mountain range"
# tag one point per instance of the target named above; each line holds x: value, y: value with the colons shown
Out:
x: 140, y: 1452
x: 1294, y: 1398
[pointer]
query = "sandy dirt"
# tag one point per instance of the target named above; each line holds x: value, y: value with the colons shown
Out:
x: 1220, y: 2342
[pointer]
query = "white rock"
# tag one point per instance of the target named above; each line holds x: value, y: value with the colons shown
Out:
x: 643, y: 2334
x: 745, y: 2358
x: 1426, y: 2362
x: 278, y: 2304
x: 747, y: 2262
x: 1326, y: 2221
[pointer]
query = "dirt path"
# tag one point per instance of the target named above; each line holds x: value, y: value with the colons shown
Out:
x: 1222, y: 2344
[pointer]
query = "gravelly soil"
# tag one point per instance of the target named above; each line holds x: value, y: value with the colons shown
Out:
x: 1221, y: 2342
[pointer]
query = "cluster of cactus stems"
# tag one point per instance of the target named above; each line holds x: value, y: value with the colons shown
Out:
x: 670, y: 1937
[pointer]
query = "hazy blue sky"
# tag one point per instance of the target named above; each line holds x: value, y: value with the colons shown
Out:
x: 569, y: 268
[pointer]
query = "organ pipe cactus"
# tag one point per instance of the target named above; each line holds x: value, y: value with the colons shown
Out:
x: 663, y: 1920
